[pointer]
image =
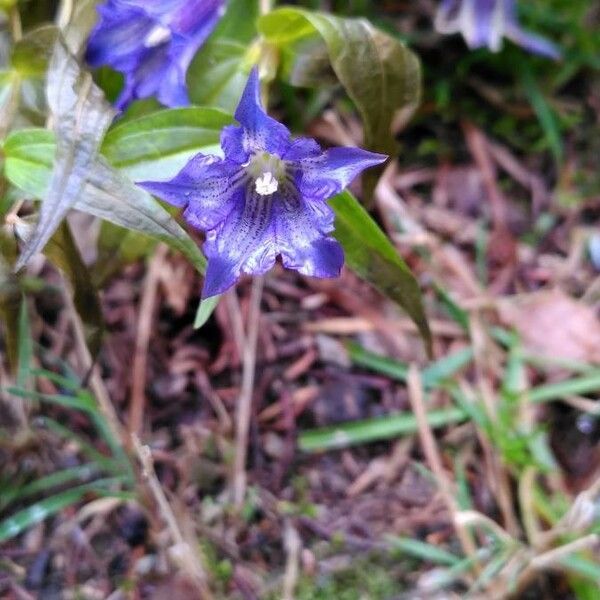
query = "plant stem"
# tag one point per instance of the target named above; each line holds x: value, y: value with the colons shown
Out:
x: 244, y: 406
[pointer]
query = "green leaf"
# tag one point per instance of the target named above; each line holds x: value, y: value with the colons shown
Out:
x: 378, y: 72
x: 112, y: 196
x: 11, y: 296
x: 373, y: 258
x: 158, y: 145
x: 107, y: 194
x: 118, y: 247
x: 43, y: 509
x: 218, y: 73
x: 587, y: 384
x: 422, y: 550
x: 431, y: 377
x: 81, y: 116
x: 29, y: 154
x: 22, y: 101
x: 25, y: 348
x: 205, y: 310
x: 371, y: 430
x: 46, y: 483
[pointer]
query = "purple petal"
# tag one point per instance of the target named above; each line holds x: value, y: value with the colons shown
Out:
x: 302, y: 148
x: 115, y: 41
x: 260, y: 133
x: 232, y: 143
x: 447, y: 18
x: 324, y: 176
x: 207, y: 187
x: 484, y: 22
x: 301, y: 228
x: 532, y: 42
x: 152, y: 42
x: 242, y: 243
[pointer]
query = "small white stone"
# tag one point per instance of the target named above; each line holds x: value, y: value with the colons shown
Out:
x: 266, y: 184
x: 158, y: 34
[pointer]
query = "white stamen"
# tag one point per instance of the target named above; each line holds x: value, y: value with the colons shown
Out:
x: 266, y: 184
x: 157, y: 35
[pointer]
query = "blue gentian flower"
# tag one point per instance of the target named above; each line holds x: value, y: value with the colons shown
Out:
x: 483, y: 23
x: 266, y: 198
x: 152, y: 42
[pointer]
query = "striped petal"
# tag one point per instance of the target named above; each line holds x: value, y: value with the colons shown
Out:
x: 322, y: 176
x: 243, y: 243
x: 258, y: 131
x: 301, y: 228
x: 207, y: 187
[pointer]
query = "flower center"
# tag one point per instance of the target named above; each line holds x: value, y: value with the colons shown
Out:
x: 267, y: 171
x: 266, y: 184
x: 157, y: 35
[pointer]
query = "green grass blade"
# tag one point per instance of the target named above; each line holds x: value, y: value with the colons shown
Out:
x: 46, y: 483
x: 43, y: 509
x: 431, y: 377
x: 571, y: 387
x: 25, y: 348
x: 579, y: 565
x: 371, y: 430
x: 422, y: 550
x: 205, y: 310
x: 106, y: 463
x: 82, y: 401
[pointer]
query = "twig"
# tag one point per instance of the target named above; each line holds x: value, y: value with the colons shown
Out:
x: 64, y: 13
x: 265, y: 6
x: 293, y: 545
x: 234, y: 310
x: 428, y: 443
x: 16, y: 29
x: 478, y: 147
x: 552, y: 557
x: 144, y: 329
x: 189, y: 555
x: 244, y: 406
x: 95, y: 380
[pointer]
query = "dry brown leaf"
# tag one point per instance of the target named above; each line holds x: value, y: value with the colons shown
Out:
x: 555, y: 325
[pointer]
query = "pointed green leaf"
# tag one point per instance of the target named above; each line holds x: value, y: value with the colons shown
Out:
x: 158, y: 145
x: 107, y: 194
x: 25, y: 348
x: 218, y: 73
x: 205, y: 310
x: 13, y: 526
x: 10, y: 296
x: 373, y: 258
x: 381, y: 76
x: 81, y: 116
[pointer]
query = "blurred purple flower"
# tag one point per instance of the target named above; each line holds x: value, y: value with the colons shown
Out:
x: 152, y: 42
x: 265, y: 198
x: 486, y: 22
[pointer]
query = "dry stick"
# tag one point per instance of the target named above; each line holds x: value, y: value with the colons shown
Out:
x: 293, y: 546
x: 478, y: 147
x: 234, y: 309
x: 144, y: 329
x: 428, y: 443
x: 192, y: 559
x: 194, y: 562
x: 244, y: 406
x: 95, y: 381
x: 498, y: 479
x: 551, y: 560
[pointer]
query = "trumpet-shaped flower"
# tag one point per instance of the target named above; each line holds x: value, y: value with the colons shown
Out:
x: 152, y: 42
x: 483, y: 23
x: 266, y: 198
